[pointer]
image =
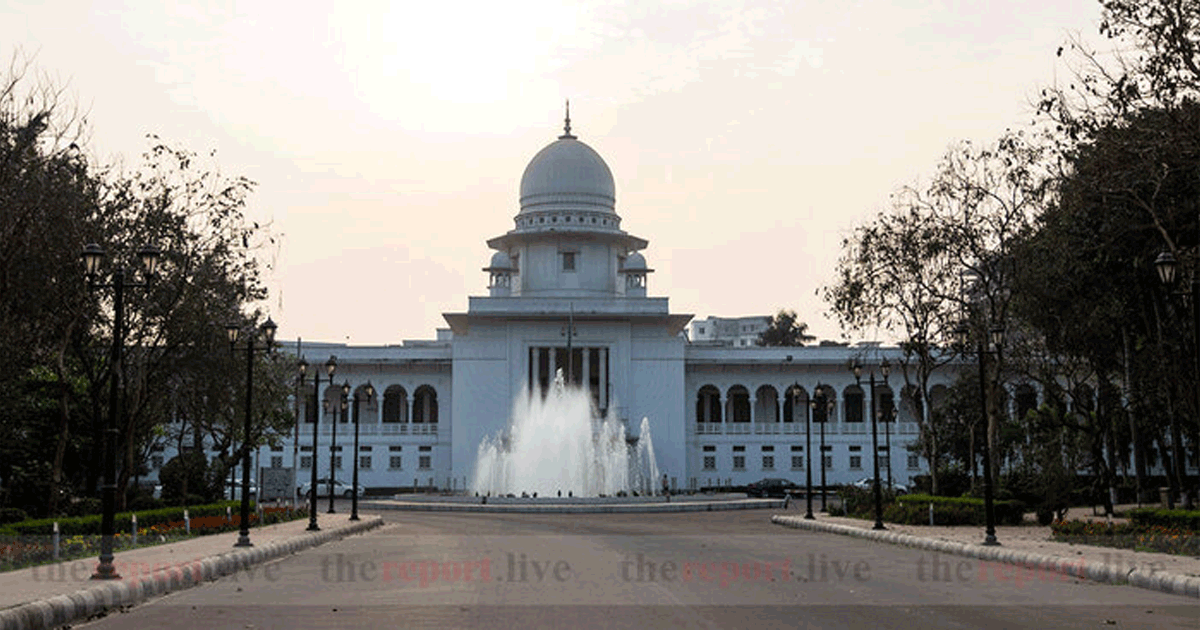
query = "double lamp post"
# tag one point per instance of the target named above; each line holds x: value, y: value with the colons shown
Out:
x: 884, y: 369
x: 118, y: 281
x: 996, y: 338
x: 234, y: 330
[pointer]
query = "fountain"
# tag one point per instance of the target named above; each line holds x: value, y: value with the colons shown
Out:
x: 557, y: 445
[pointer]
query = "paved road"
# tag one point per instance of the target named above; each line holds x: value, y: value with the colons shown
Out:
x: 712, y: 570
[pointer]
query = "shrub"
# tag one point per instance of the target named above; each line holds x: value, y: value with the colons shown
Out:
x: 84, y: 507
x: 914, y: 510
x: 1187, y: 520
x: 86, y: 525
x: 12, y: 515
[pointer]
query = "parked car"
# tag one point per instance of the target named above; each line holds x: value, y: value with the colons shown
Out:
x: 868, y: 483
x: 340, y: 489
x: 233, y: 491
x: 770, y: 488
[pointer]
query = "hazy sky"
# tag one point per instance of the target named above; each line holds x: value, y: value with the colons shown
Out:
x: 388, y: 138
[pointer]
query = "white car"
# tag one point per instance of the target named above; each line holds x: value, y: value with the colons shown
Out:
x: 340, y: 489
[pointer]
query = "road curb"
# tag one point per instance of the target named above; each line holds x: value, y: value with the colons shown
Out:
x: 1036, y: 563
x: 630, y: 508
x: 58, y: 610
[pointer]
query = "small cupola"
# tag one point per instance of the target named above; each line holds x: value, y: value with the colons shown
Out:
x: 635, y: 272
x: 500, y: 274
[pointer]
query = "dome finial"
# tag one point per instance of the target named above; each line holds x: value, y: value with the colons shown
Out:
x: 567, y: 124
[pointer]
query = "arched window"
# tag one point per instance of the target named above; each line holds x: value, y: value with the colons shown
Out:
x: 395, y: 404
x: 826, y: 412
x: 310, y: 406
x: 795, y: 395
x: 425, y: 405
x: 332, y: 405
x: 885, y: 401
x: 910, y: 404
x: 766, y: 405
x: 853, y: 402
x: 708, y: 404
x: 1026, y: 401
x: 737, y: 407
x: 368, y: 408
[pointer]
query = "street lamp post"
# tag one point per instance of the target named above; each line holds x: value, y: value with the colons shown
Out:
x: 333, y: 441
x: 93, y: 256
x: 989, y: 507
x: 369, y: 390
x: 330, y: 368
x: 808, y: 514
x: 233, y: 330
x: 1168, y: 270
x: 819, y: 398
x: 883, y: 369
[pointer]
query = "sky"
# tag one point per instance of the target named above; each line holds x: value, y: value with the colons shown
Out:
x: 387, y: 139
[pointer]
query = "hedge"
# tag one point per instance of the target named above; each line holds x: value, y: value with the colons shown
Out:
x: 87, y: 525
x: 1188, y: 520
x: 913, y: 509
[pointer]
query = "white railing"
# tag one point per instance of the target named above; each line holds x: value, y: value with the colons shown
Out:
x: 854, y: 428
x: 778, y: 428
x: 424, y: 429
x: 708, y: 428
x: 909, y: 428
x: 394, y: 428
x: 737, y: 428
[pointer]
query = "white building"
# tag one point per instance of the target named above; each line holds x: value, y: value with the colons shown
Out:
x: 568, y: 286
x: 730, y: 331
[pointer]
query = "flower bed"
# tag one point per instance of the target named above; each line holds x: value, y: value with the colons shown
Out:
x: 19, y: 550
x: 1155, y: 538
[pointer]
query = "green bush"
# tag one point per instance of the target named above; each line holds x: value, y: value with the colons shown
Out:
x: 1188, y: 520
x: 84, y: 507
x: 913, y: 509
x: 90, y: 525
x: 12, y: 515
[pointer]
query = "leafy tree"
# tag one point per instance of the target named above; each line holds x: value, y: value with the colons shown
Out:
x: 942, y: 258
x: 785, y: 330
x: 56, y: 334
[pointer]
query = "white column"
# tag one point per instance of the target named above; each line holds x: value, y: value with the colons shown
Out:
x: 603, y: 378
x: 587, y: 356
x: 552, y: 373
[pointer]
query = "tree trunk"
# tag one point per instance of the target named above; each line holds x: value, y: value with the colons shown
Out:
x: 1139, y: 460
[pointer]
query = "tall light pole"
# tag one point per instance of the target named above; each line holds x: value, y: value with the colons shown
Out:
x: 93, y: 256
x: 989, y: 508
x: 233, y: 330
x: 820, y: 398
x: 883, y: 369
x: 808, y: 514
x: 369, y: 390
x: 330, y: 368
x: 1167, y: 268
x: 333, y: 441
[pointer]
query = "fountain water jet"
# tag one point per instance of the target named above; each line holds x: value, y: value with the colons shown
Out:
x: 557, y: 443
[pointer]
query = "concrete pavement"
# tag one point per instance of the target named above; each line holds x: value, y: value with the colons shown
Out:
x: 1029, y: 547
x: 49, y: 596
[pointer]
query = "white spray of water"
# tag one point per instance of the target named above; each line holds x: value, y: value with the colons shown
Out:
x: 557, y: 443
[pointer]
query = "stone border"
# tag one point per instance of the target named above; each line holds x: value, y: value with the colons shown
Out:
x: 1161, y: 581
x: 599, y: 508
x: 83, y: 604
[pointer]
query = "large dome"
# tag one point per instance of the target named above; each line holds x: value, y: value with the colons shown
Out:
x: 567, y: 175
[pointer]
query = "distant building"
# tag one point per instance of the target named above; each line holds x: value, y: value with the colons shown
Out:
x: 729, y: 331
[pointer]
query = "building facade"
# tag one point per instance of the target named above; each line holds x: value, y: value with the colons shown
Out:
x: 568, y: 288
